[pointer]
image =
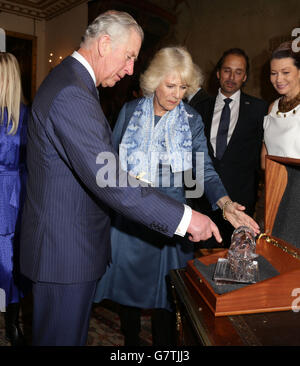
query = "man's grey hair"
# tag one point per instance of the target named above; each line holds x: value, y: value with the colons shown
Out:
x: 116, y: 24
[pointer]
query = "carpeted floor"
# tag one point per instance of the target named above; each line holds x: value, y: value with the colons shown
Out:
x: 104, y: 326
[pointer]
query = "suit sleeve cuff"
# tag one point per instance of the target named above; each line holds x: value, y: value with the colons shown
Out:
x: 185, y: 221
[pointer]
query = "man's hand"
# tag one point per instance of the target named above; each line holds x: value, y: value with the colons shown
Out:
x: 202, y: 228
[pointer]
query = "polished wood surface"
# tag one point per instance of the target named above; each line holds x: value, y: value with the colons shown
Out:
x: 266, y: 313
x: 274, y: 293
x: 197, y: 325
x: 275, y: 184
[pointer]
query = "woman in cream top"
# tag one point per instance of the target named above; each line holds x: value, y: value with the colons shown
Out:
x: 282, y: 124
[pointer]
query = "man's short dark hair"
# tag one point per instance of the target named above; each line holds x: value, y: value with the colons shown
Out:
x: 234, y: 51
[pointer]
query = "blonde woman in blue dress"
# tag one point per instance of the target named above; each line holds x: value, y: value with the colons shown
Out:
x: 13, y: 125
x: 282, y: 124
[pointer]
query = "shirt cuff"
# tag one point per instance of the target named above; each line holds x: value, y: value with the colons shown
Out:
x: 185, y: 221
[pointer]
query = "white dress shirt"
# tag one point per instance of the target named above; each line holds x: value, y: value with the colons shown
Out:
x: 187, y: 215
x: 234, y: 115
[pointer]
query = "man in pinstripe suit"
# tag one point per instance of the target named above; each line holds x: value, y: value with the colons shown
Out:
x: 65, y: 243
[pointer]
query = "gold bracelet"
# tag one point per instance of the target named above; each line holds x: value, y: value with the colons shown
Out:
x: 229, y: 202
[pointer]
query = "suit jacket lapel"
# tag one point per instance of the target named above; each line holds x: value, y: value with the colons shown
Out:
x: 208, y: 122
x: 199, y: 97
x: 242, y: 119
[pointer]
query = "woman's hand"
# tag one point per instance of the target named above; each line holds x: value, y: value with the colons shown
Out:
x: 234, y: 213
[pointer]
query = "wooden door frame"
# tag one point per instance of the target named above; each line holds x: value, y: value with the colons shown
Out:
x: 34, y: 56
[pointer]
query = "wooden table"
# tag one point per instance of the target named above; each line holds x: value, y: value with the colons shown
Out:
x: 196, y: 324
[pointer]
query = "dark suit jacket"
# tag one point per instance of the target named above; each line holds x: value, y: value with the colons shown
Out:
x: 65, y: 234
x: 239, y: 166
x: 199, y: 97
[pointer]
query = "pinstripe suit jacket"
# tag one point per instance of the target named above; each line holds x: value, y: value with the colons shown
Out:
x: 65, y: 235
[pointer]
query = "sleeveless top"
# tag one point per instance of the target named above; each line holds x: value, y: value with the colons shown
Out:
x: 282, y: 132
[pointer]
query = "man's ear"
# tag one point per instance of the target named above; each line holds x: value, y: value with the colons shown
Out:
x: 104, y: 45
x: 218, y: 75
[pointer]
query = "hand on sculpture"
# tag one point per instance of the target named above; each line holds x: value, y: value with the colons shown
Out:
x: 234, y: 213
x: 202, y: 228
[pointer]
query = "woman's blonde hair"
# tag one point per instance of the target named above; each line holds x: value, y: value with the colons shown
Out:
x: 10, y: 90
x: 167, y: 60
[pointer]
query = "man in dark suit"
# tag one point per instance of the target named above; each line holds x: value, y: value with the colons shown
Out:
x: 65, y: 238
x: 200, y: 95
x: 234, y: 130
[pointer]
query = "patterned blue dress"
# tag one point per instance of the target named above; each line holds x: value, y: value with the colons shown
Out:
x: 142, y: 258
x: 12, y: 191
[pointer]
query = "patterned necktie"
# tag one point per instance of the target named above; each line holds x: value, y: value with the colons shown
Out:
x: 221, y: 143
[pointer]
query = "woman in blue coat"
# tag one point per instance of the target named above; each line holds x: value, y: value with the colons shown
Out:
x: 13, y: 123
x: 161, y: 141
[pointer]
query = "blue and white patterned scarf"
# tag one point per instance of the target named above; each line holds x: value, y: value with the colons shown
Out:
x: 145, y: 145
